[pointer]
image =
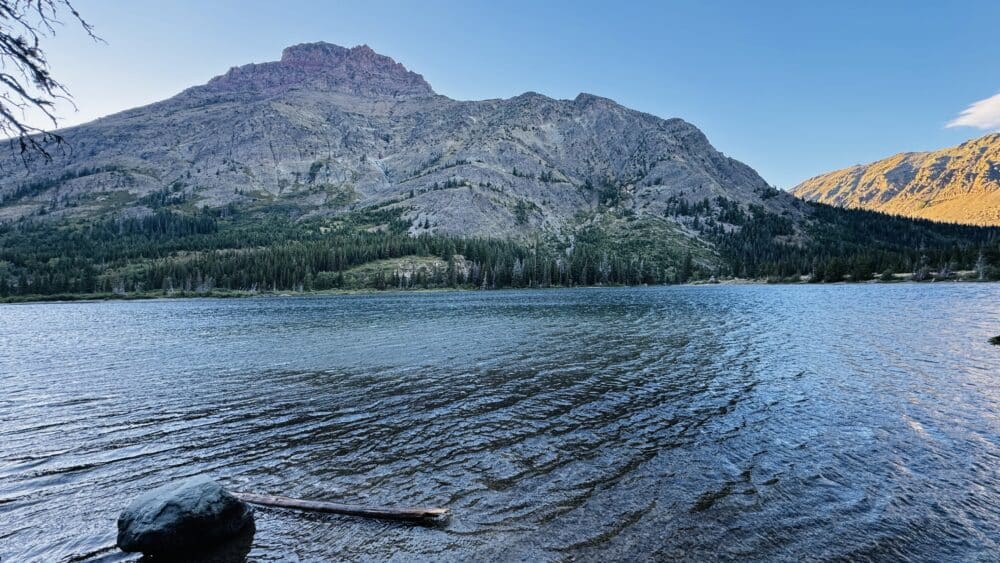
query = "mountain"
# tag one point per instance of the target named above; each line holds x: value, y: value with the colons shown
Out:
x: 328, y: 128
x: 958, y: 184
x: 339, y: 167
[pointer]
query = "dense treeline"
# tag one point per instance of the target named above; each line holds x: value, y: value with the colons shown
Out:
x: 858, y: 245
x: 221, y: 249
x: 834, y: 244
x: 171, y: 251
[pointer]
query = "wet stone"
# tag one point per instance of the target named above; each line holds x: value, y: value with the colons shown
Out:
x: 183, y: 516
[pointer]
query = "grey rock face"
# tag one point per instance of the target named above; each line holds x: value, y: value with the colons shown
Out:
x: 327, y: 129
x: 359, y: 71
x: 194, y: 513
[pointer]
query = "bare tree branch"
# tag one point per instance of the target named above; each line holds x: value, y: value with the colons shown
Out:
x: 27, y: 88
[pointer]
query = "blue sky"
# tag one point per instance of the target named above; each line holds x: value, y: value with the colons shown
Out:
x: 793, y: 89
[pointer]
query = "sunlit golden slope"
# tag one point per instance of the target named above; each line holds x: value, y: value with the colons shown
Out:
x: 958, y: 184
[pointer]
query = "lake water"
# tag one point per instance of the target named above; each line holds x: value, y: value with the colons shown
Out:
x: 727, y: 422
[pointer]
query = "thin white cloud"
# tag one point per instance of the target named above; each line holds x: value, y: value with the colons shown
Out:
x: 984, y: 114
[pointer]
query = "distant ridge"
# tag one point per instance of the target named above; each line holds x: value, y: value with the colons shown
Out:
x: 958, y: 184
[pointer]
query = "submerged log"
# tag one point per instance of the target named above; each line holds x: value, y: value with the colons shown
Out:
x: 419, y: 514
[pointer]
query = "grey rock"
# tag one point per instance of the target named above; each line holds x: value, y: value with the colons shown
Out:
x: 328, y: 129
x: 359, y: 71
x: 181, y: 516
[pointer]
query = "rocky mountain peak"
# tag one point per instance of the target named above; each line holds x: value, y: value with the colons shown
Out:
x: 357, y: 70
x: 319, y: 131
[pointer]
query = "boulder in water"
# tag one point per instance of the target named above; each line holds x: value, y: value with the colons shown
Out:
x: 191, y: 514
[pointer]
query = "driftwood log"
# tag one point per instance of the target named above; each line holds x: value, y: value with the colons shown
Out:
x: 419, y: 514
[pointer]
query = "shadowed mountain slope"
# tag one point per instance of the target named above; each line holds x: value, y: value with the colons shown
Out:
x: 328, y: 128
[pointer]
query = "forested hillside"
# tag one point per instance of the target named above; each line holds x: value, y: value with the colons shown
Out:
x: 226, y: 250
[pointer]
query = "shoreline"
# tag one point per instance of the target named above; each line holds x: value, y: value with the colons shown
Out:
x: 237, y: 294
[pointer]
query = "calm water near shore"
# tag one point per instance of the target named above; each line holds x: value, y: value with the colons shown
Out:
x: 726, y: 422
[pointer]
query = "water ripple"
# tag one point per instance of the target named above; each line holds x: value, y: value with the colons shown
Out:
x: 770, y: 423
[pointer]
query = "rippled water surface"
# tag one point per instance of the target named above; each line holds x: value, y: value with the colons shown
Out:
x: 726, y: 422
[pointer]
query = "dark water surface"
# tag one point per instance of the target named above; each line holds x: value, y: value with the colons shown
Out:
x: 764, y: 422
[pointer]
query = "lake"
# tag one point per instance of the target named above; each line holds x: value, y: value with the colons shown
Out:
x: 716, y: 422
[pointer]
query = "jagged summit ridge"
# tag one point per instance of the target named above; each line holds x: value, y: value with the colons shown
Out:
x: 357, y: 70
